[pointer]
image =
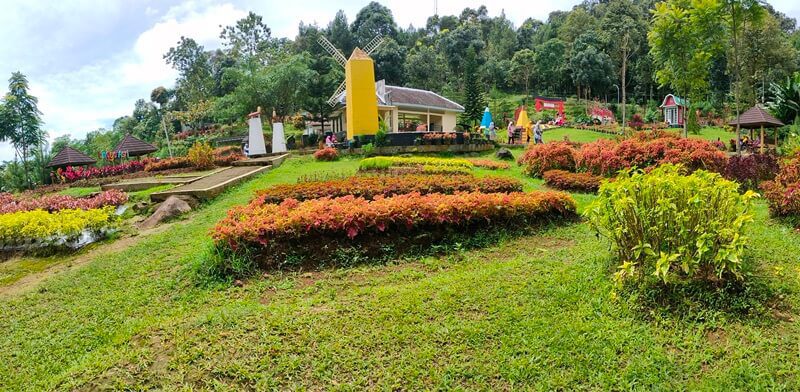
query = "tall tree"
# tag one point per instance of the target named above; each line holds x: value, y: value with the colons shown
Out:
x: 474, y: 101
x: 425, y: 68
x: 192, y: 63
x: 523, y: 66
x: 249, y: 39
x: 551, y: 67
x: 323, y: 82
x: 338, y: 32
x: 22, y: 122
x: 625, y: 26
x: 683, y: 40
x: 373, y: 20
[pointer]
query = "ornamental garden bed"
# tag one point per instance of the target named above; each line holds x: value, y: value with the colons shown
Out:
x: 330, y: 231
x: 52, y: 223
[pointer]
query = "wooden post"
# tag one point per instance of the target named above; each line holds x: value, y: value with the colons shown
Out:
x: 762, y: 139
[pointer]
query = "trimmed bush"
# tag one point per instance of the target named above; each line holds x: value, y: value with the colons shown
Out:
x: 72, y: 174
x: 489, y: 164
x: 673, y: 226
x: 385, y: 163
x: 264, y: 232
x: 539, y: 158
x: 751, y: 170
x: 168, y: 164
x: 576, y: 182
x: 370, y: 187
x: 326, y: 154
x: 45, y: 228
x: 783, y: 194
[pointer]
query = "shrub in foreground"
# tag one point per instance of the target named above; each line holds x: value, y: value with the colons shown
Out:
x: 673, y: 226
x: 539, y: 158
x: 265, y: 233
x: 326, y: 154
x: 751, y: 170
x: 369, y: 187
x: 10, y: 203
x: 577, y: 182
x: 45, y: 228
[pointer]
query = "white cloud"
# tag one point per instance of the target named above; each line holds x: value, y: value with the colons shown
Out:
x: 79, y: 101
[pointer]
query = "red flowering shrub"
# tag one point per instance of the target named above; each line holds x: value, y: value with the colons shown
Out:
x: 326, y: 154
x: 489, y: 164
x: 636, y: 122
x: 168, y: 164
x: 265, y: 231
x: 370, y: 187
x: 539, y: 158
x: 783, y: 194
x: 10, y: 203
x: 605, y: 157
x: 751, y: 170
x: 72, y: 174
x: 566, y: 181
x: 225, y: 156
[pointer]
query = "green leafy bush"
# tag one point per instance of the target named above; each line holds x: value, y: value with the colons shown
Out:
x: 672, y: 226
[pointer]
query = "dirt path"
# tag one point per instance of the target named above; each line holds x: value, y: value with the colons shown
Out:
x: 31, y: 281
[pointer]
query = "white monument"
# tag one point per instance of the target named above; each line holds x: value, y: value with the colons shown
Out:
x: 255, y: 143
x: 278, y: 141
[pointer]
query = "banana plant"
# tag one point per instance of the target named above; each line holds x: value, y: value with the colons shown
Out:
x: 786, y: 102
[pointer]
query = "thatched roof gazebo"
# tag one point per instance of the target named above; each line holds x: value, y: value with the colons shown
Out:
x: 71, y: 157
x: 134, y: 146
x: 755, y: 118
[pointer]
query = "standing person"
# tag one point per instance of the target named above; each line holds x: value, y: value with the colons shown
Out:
x: 492, y: 132
x: 537, y: 133
x: 510, y: 132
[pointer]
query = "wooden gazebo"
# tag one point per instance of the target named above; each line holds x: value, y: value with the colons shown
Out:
x: 71, y: 157
x: 134, y: 146
x: 755, y: 118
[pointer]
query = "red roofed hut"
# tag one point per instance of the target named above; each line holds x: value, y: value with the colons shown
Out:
x: 674, y: 109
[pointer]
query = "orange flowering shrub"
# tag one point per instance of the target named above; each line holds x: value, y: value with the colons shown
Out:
x: 566, y: 181
x: 539, y: 158
x: 267, y: 230
x: 326, y: 154
x: 168, y: 164
x: 370, y: 187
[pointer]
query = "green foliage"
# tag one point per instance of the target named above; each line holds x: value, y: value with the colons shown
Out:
x: 380, y: 136
x: 672, y: 226
x: 785, y: 103
x: 692, y: 126
x: 474, y: 103
x: 20, y: 124
x: 523, y: 66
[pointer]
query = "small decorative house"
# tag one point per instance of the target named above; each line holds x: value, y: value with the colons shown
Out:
x: 674, y: 108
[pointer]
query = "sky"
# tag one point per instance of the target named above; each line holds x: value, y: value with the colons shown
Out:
x: 88, y: 61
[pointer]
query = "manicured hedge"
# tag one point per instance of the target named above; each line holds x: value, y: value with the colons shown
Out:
x: 370, y: 187
x: 267, y: 230
x: 489, y: 164
x: 72, y: 174
x: 168, y: 164
x: 384, y: 163
x: 46, y: 228
x: 567, y: 181
x: 539, y: 158
x: 10, y: 203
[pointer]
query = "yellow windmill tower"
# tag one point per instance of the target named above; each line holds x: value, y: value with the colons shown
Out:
x: 361, y: 110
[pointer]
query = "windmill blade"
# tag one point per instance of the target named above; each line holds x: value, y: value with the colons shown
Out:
x: 337, y: 55
x: 374, y: 44
x: 334, y: 99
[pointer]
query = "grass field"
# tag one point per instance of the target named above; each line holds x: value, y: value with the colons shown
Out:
x: 532, y: 312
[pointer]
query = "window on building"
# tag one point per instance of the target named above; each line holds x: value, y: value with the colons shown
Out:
x: 408, y: 122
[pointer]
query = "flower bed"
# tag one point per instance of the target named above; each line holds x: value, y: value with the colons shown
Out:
x: 567, y: 181
x: 605, y: 157
x: 40, y: 228
x: 168, y: 164
x: 384, y: 163
x: 10, y: 203
x: 72, y: 174
x: 369, y: 187
x: 539, y: 158
x: 266, y: 231
x: 489, y: 164
x: 326, y: 154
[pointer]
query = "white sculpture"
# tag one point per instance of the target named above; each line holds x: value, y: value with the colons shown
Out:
x: 278, y: 142
x: 256, y: 145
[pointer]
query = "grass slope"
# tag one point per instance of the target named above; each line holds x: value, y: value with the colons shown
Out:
x: 532, y: 312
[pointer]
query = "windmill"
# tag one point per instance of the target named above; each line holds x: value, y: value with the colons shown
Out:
x: 361, y: 105
x: 342, y: 61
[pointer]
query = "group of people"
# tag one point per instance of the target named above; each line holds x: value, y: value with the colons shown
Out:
x: 535, y: 131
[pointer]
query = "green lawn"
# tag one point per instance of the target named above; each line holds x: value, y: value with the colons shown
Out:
x: 574, y: 135
x: 714, y: 133
x: 79, y: 191
x: 533, y: 312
